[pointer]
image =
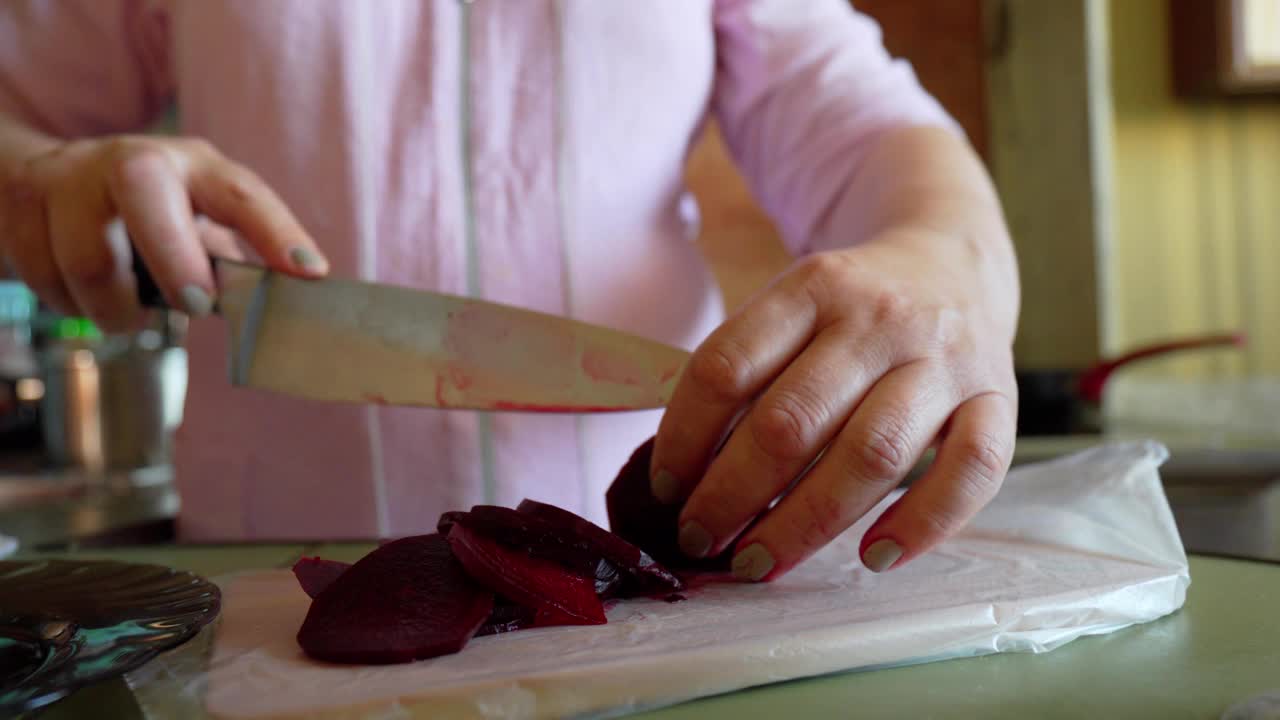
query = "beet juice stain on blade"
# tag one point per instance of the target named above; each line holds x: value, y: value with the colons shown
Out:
x: 315, y: 574
x: 559, y: 596
x: 407, y: 600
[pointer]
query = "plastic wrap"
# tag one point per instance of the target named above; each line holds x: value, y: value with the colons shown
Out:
x: 1082, y: 545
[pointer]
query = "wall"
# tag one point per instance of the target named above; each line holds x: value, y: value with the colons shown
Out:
x: 1196, y: 210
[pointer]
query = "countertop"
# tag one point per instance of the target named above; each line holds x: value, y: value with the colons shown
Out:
x: 1221, y: 648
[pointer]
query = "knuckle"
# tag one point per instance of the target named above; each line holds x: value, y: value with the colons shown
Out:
x: 942, y: 328
x: 722, y: 370
x: 821, y: 271
x: 787, y: 428
x: 938, y: 522
x: 828, y: 516
x: 199, y: 148
x: 890, y: 307
x: 115, y: 148
x: 885, y: 453
x: 982, y: 461
x: 137, y: 162
x: 239, y: 184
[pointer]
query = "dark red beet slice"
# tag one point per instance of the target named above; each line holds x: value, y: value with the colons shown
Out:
x: 646, y: 574
x: 506, y: 617
x: 407, y: 600
x: 540, y: 539
x: 637, y: 516
x: 315, y: 574
x: 559, y: 596
x: 445, y: 523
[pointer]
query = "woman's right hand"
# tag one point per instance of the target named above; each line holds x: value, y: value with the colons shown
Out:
x: 179, y: 199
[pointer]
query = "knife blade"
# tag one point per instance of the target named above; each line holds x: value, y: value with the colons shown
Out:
x: 339, y: 340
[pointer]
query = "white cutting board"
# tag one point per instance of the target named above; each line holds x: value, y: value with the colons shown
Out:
x: 1082, y: 545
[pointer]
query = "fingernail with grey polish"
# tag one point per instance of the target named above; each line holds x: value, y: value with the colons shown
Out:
x: 665, y: 488
x: 881, y: 555
x: 307, y: 259
x: 694, y: 539
x: 752, y: 563
x: 196, y: 301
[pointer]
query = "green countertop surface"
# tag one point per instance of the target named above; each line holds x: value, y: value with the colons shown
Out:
x: 1221, y: 648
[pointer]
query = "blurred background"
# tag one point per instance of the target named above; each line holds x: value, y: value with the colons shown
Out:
x: 1136, y: 145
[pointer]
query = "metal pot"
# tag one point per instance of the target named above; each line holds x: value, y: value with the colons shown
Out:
x: 113, y: 406
x: 1069, y: 402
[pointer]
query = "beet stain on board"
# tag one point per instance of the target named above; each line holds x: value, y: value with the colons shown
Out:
x: 406, y: 600
x: 559, y: 596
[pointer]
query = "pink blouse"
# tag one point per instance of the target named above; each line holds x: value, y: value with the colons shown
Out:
x: 527, y: 152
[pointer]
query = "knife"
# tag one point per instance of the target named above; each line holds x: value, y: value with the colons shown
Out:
x: 339, y: 340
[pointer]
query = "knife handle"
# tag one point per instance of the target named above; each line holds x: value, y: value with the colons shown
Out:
x: 149, y: 295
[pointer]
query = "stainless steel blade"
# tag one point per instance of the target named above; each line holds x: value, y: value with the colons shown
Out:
x: 344, y: 341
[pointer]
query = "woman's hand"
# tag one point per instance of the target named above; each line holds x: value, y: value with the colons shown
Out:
x: 59, y: 204
x: 855, y: 362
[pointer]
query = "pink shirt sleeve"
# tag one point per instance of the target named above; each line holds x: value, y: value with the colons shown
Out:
x: 83, y: 67
x: 800, y: 88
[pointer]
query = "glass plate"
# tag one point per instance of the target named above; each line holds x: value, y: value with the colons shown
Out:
x: 65, y: 624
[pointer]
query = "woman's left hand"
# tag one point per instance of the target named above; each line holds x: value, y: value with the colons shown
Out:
x: 855, y: 363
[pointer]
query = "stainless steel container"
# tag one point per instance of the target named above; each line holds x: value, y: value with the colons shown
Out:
x: 114, y: 406
x: 69, y: 408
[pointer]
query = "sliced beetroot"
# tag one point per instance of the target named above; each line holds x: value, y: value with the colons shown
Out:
x: 541, y: 539
x: 559, y: 596
x: 532, y: 535
x: 638, y: 517
x: 507, y: 617
x: 645, y: 574
x: 409, y: 599
x: 445, y: 523
x: 315, y: 574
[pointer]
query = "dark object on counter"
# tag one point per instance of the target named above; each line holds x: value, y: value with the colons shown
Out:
x: 406, y: 600
x: 67, y: 624
x: 1069, y: 402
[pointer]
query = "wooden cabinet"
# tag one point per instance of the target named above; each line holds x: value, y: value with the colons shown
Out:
x: 945, y: 42
x: 1223, y: 48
